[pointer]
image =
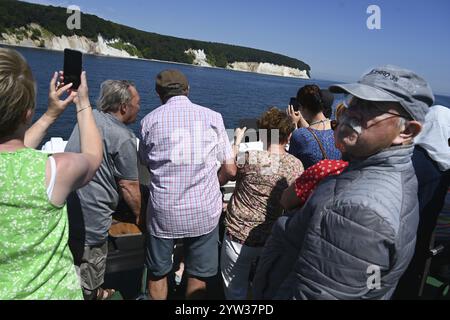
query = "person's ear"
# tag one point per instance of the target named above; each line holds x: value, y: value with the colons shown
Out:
x: 123, y: 108
x: 409, y: 132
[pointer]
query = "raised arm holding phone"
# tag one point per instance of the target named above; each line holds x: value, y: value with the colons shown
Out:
x: 294, y: 113
x: 33, y: 188
x: 80, y: 168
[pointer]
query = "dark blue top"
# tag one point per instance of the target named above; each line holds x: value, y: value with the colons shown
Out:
x: 306, y: 148
x: 429, y: 177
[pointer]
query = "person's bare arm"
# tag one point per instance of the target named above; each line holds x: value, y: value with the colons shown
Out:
x: 76, y: 170
x: 131, y: 193
x: 56, y: 106
x: 90, y: 138
x: 297, y: 117
x: 228, y: 170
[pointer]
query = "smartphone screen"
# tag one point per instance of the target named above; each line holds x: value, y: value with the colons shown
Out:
x: 248, y: 123
x: 294, y: 103
x: 252, y: 125
x: 73, y: 65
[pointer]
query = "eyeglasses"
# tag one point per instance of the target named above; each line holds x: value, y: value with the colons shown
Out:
x: 367, y: 106
x: 351, y: 101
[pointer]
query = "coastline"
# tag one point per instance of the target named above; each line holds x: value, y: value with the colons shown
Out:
x: 445, y: 95
x: 149, y: 60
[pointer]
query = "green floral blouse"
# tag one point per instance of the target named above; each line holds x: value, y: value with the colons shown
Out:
x: 35, y: 260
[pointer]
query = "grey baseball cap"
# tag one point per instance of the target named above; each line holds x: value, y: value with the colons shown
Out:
x: 393, y: 84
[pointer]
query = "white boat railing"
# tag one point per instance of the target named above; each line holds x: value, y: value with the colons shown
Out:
x: 58, y: 145
x: 55, y: 145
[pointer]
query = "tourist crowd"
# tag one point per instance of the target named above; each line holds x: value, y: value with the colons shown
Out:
x: 341, y: 202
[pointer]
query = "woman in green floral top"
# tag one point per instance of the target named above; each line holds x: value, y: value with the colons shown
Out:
x: 35, y: 261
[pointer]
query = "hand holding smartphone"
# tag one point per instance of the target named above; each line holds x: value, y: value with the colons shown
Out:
x: 252, y: 125
x: 248, y: 123
x: 73, y: 66
x: 294, y: 103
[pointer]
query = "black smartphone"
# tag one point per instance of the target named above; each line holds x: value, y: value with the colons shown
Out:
x: 294, y: 103
x: 73, y: 66
x: 252, y: 125
x: 248, y: 123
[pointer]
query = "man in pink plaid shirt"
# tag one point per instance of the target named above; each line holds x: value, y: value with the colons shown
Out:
x: 182, y: 144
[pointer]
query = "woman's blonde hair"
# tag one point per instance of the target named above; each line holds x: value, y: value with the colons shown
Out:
x: 17, y: 91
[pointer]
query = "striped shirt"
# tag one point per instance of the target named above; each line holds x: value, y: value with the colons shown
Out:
x: 181, y: 144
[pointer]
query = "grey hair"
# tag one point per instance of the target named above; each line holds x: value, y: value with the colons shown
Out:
x: 113, y: 94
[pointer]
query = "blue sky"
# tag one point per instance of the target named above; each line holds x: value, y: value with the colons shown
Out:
x: 330, y: 35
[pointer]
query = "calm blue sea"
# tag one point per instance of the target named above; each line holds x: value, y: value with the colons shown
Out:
x: 236, y: 95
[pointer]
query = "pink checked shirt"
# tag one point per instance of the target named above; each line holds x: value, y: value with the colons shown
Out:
x: 181, y: 145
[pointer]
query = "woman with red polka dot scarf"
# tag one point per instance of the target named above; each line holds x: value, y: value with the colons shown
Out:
x: 297, y: 194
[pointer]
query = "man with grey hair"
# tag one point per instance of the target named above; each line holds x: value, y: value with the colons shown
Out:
x: 91, y: 208
x: 356, y: 235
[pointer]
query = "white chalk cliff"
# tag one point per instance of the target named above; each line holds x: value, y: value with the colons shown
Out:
x: 201, y: 59
x: 269, y: 68
x: 24, y: 37
x: 33, y: 35
x: 199, y: 56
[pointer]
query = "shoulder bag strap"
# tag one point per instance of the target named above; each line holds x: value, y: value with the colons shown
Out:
x: 324, y: 153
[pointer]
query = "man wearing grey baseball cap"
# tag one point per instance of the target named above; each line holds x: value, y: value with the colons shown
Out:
x: 356, y: 235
